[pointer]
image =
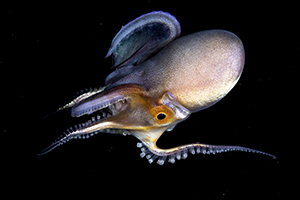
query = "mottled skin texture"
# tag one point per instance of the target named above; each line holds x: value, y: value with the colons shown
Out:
x: 198, y: 69
x: 146, y: 99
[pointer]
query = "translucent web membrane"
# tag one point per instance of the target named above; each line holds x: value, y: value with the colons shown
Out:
x: 182, y: 152
x: 79, y: 131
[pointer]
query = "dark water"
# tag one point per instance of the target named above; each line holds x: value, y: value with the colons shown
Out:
x: 50, y: 52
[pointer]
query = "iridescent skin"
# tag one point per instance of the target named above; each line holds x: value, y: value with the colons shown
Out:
x: 148, y: 95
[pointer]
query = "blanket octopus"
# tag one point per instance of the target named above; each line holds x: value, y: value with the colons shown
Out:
x: 159, y: 81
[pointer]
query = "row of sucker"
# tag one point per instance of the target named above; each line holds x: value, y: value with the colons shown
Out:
x: 182, y: 153
x: 78, y: 131
x: 84, y: 95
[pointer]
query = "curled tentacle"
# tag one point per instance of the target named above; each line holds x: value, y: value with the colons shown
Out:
x: 181, y: 152
x: 89, y: 128
x: 105, y: 108
x: 82, y: 97
x: 99, y: 101
x: 78, y: 99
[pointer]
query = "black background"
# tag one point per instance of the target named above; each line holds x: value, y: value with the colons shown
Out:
x: 51, y: 51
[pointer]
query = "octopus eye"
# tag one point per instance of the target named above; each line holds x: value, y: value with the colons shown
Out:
x: 161, y: 116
